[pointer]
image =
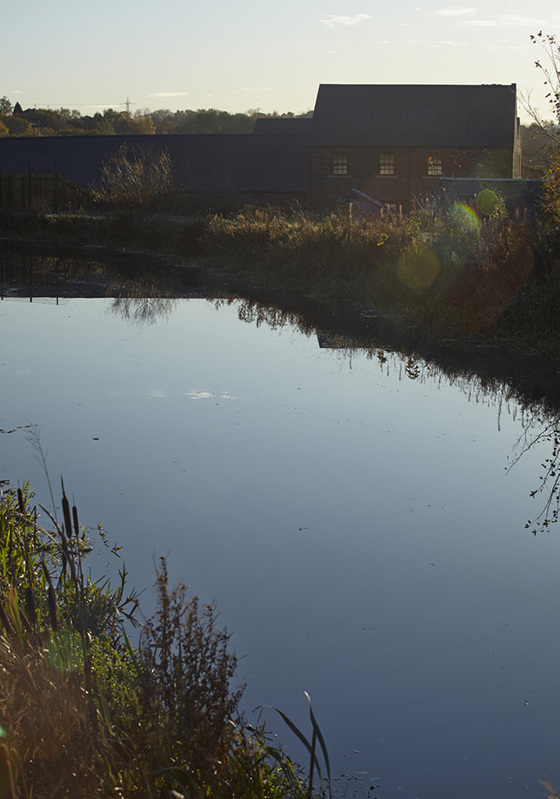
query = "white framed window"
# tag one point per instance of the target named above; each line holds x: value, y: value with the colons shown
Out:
x: 386, y: 163
x: 434, y: 164
x: 339, y: 164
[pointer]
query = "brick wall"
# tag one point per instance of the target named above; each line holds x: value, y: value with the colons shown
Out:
x: 410, y: 177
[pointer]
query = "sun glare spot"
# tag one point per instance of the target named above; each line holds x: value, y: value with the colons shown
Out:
x: 418, y: 267
x: 466, y: 216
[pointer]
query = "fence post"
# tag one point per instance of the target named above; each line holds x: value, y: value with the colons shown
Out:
x: 29, y: 184
x: 56, y: 185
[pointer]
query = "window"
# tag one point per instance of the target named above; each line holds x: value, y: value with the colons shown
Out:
x: 340, y: 164
x: 386, y: 163
x: 435, y: 164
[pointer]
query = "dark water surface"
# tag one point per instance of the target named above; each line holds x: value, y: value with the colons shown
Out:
x: 354, y: 517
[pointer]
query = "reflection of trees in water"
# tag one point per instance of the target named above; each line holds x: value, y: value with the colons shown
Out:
x: 144, y: 289
x: 539, y: 426
x: 539, y: 431
x: 142, y: 297
x: 256, y: 312
x: 144, y: 293
x: 143, y: 310
x: 476, y: 388
x: 27, y: 274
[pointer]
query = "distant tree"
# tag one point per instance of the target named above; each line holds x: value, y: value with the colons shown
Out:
x: 18, y: 126
x: 71, y: 115
x: 3, y: 129
x: 43, y: 118
x: 166, y: 126
x: 116, y: 119
x: 69, y: 122
x: 124, y: 123
x: 162, y: 115
x: 184, y: 121
x: 102, y: 125
x: 144, y: 123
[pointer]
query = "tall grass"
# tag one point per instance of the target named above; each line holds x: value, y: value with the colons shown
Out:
x: 83, y: 712
x: 442, y: 272
x: 442, y: 269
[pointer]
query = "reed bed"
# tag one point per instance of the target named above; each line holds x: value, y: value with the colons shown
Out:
x: 84, y: 713
x: 443, y: 269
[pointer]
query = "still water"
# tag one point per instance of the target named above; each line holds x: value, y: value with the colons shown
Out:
x: 355, y: 519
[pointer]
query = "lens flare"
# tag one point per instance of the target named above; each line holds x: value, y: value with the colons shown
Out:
x: 418, y: 267
x: 465, y: 216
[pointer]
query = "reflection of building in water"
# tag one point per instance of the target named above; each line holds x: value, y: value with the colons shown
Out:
x: 332, y: 341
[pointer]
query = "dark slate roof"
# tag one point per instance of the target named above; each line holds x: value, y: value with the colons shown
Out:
x: 201, y: 163
x: 283, y: 125
x: 414, y: 116
x: 244, y: 163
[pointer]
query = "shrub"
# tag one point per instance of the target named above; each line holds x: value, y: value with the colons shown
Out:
x: 83, y: 712
x: 136, y: 178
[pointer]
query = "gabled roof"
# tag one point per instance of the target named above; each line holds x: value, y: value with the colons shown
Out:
x: 201, y: 163
x: 414, y: 116
x: 283, y: 126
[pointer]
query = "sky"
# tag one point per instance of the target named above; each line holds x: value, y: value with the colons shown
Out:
x: 259, y: 54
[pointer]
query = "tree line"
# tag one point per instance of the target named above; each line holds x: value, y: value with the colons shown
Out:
x: 15, y: 121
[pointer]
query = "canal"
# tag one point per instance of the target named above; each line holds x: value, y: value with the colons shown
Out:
x: 358, y: 516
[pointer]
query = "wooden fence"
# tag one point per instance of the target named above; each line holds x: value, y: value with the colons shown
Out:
x: 49, y: 192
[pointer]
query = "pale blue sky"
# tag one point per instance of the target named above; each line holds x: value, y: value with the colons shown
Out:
x: 179, y: 54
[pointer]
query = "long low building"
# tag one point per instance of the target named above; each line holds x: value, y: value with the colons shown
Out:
x: 263, y: 169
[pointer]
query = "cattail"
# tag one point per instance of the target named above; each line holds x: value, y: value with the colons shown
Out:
x: 51, y: 600
x: 76, y: 524
x: 30, y: 604
x: 67, y: 518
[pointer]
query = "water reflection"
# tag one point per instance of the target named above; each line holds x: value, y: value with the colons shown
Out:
x: 347, y: 508
x: 540, y: 432
x: 124, y: 276
x: 145, y: 291
x: 143, y: 310
x: 540, y: 426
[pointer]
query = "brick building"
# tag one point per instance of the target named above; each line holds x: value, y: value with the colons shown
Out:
x: 395, y: 142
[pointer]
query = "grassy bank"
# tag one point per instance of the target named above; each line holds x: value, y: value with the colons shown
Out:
x: 444, y: 272
x: 83, y: 712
